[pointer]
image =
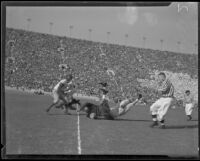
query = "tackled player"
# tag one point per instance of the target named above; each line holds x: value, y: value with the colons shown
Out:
x: 110, y: 113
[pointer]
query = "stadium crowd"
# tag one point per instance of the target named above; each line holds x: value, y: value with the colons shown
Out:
x: 33, y: 59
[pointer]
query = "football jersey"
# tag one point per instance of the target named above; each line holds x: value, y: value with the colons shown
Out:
x: 166, y: 88
x: 189, y: 99
x: 63, y: 81
x: 114, y: 111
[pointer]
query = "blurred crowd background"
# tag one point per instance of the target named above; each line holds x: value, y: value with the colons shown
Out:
x: 35, y: 60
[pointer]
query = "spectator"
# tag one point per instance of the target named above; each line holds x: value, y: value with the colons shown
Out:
x: 34, y: 59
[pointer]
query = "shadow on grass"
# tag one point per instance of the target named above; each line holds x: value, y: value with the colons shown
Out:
x: 133, y: 120
x: 62, y: 114
x: 194, y: 120
x: 181, y: 126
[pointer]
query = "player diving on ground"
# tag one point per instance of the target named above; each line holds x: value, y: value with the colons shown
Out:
x: 105, y: 111
x: 64, y: 98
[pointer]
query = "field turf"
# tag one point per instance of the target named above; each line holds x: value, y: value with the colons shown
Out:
x: 30, y: 130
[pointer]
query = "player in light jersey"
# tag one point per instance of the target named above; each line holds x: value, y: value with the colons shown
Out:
x: 60, y: 94
x: 189, y: 104
x: 159, y: 108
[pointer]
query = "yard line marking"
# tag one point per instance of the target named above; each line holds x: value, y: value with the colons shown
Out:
x: 79, y: 136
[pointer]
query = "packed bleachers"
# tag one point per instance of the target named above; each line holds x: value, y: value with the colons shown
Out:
x: 33, y: 59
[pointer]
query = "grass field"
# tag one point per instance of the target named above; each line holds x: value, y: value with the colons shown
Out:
x: 30, y: 130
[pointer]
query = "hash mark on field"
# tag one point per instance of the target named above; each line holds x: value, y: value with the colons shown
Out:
x: 79, y: 136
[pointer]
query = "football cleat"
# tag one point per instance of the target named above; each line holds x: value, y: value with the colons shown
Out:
x: 155, y: 123
x: 162, y: 126
x: 189, y: 118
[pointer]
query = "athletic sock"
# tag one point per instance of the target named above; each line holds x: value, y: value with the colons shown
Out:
x: 162, y: 122
x: 154, y: 118
x: 189, y: 117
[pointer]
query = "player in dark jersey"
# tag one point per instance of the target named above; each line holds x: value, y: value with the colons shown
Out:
x: 110, y: 113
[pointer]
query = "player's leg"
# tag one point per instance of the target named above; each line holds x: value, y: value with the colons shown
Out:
x: 124, y: 103
x: 58, y: 104
x: 162, y: 111
x: 127, y: 105
x: 71, y: 102
x: 66, y: 101
x: 61, y: 104
x: 74, y: 102
x: 96, y: 112
x: 55, y: 101
x: 66, y: 110
x: 91, y: 110
x: 92, y: 116
x: 49, y: 108
x: 188, y: 110
x: 83, y: 107
x: 154, y: 111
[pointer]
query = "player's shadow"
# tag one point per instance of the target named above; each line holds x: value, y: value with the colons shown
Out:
x: 193, y: 120
x: 181, y: 126
x: 62, y: 114
x: 133, y: 120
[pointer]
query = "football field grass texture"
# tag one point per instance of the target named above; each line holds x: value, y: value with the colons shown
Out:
x: 30, y: 130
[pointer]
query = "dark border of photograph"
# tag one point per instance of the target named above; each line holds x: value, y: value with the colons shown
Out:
x: 70, y: 3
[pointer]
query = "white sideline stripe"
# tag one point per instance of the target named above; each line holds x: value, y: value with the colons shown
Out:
x: 79, y: 135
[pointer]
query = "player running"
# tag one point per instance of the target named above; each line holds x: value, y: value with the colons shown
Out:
x: 188, y: 104
x: 161, y: 106
x: 62, y: 94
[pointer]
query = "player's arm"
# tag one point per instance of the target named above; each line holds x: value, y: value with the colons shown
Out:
x: 61, y: 92
x: 70, y: 89
x: 184, y: 101
x: 163, y: 88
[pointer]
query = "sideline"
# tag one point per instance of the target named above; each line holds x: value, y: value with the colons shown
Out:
x: 26, y: 90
